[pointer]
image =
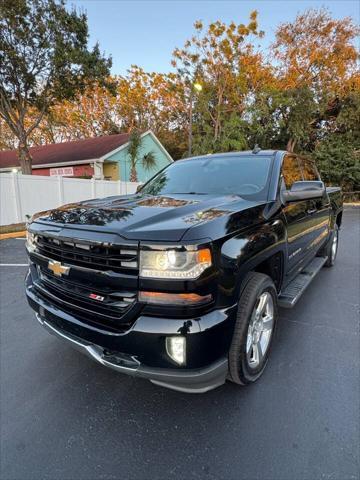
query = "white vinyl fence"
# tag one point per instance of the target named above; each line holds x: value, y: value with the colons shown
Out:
x: 22, y: 195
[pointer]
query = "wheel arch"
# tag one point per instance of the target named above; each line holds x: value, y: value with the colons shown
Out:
x: 261, y: 249
x: 273, y: 266
x: 338, y: 219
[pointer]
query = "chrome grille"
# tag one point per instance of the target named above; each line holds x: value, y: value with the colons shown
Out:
x: 121, y: 259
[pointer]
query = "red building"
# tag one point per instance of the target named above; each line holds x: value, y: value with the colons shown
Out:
x: 86, y: 170
x: 82, y: 158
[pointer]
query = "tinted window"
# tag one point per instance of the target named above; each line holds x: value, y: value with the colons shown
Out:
x: 291, y: 170
x: 309, y: 169
x: 245, y: 176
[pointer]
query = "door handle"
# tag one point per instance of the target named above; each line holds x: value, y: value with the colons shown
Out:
x: 311, y: 211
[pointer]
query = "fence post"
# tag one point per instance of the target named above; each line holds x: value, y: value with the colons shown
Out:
x: 93, y: 188
x: 119, y: 187
x: 18, y: 212
x: 61, y: 189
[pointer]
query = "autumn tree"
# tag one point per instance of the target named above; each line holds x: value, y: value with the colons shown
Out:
x: 218, y: 57
x: 317, y: 51
x: 277, y: 115
x: 44, y: 58
x: 89, y: 114
x: 304, y: 95
x: 337, y: 154
x: 7, y: 138
x: 151, y: 100
x: 141, y: 100
x: 315, y: 55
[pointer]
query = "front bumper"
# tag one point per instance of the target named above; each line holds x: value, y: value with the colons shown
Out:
x: 140, y: 350
x: 196, y: 381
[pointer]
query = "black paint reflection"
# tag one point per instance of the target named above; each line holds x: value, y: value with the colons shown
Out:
x: 157, y: 185
x: 185, y: 328
x: 164, y: 202
x: 93, y: 216
x: 206, y: 215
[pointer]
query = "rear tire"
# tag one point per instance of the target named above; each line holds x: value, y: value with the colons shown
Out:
x: 331, y: 248
x: 254, y: 329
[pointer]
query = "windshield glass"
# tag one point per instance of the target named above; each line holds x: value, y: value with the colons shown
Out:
x: 215, y: 175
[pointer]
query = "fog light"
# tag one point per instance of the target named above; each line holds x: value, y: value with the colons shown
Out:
x: 176, y: 349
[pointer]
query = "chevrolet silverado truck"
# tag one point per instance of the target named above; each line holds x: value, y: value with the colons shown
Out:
x: 180, y: 283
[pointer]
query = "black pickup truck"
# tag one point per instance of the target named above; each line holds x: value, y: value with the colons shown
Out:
x: 181, y: 282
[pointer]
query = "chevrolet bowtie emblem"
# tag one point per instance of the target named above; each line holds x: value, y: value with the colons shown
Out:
x: 57, y: 268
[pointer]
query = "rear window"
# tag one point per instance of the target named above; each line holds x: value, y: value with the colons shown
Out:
x: 291, y: 170
x: 309, y: 169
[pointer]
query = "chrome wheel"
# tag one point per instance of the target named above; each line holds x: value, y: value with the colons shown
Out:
x: 334, y: 246
x: 260, y: 330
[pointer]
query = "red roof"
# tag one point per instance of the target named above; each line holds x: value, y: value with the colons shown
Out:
x: 67, y: 152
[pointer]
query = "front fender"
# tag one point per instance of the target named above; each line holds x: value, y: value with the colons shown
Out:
x: 245, y: 251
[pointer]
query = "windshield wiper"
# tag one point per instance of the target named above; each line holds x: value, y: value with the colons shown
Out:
x: 187, y: 193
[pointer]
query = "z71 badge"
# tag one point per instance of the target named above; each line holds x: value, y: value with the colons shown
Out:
x: 99, y: 298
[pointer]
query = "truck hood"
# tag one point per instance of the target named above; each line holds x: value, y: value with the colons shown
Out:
x: 159, y: 218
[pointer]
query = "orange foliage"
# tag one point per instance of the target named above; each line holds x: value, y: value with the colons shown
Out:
x: 317, y: 51
x: 314, y: 51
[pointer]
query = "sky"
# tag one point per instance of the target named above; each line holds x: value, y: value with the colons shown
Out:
x: 146, y: 32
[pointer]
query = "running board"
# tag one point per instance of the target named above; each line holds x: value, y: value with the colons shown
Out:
x: 292, y: 293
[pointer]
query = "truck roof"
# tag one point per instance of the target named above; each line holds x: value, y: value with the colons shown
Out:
x: 245, y: 153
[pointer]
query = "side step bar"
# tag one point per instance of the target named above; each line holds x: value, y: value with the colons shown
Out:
x: 292, y: 293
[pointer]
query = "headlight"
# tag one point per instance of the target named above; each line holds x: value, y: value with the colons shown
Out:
x: 171, y: 263
x: 31, y: 239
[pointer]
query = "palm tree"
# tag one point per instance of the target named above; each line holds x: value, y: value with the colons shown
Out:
x: 148, y: 160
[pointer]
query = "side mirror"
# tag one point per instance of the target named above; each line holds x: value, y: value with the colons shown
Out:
x: 306, y: 190
x: 138, y: 188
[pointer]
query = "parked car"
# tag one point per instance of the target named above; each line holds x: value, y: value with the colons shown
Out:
x: 181, y: 282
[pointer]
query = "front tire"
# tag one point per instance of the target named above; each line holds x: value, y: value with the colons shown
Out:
x: 254, y: 329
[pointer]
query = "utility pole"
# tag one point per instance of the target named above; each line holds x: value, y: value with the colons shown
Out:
x: 193, y: 87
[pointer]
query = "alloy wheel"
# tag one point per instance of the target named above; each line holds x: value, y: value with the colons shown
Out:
x: 260, y: 330
x: 334, y: 246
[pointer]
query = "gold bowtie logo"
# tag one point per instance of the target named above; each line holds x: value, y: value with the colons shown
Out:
x: 57, y: 268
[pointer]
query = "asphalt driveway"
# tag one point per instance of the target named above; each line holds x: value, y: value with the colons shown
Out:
x: 65, y: 417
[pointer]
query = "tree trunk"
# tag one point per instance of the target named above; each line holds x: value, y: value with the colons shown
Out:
x: 217, y: 122
x: 291, y: 144
x: 218, y: 114
x: 133, y: 173
x: 25, y: 158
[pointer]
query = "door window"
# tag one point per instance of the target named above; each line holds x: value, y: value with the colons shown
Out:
x: 291, y: 170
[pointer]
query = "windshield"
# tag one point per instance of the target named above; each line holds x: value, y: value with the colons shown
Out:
x: 215, y: 175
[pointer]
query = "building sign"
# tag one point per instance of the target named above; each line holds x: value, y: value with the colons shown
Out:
x: 62, y: 172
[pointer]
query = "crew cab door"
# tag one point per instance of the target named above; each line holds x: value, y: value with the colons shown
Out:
x: 318, y: 210
x: 298, y: 217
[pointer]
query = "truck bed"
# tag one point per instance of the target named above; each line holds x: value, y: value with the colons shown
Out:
x: 332, y: 190
x: 336, y: 199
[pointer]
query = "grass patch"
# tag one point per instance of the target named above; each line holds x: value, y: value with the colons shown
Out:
x: 14, y: 227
